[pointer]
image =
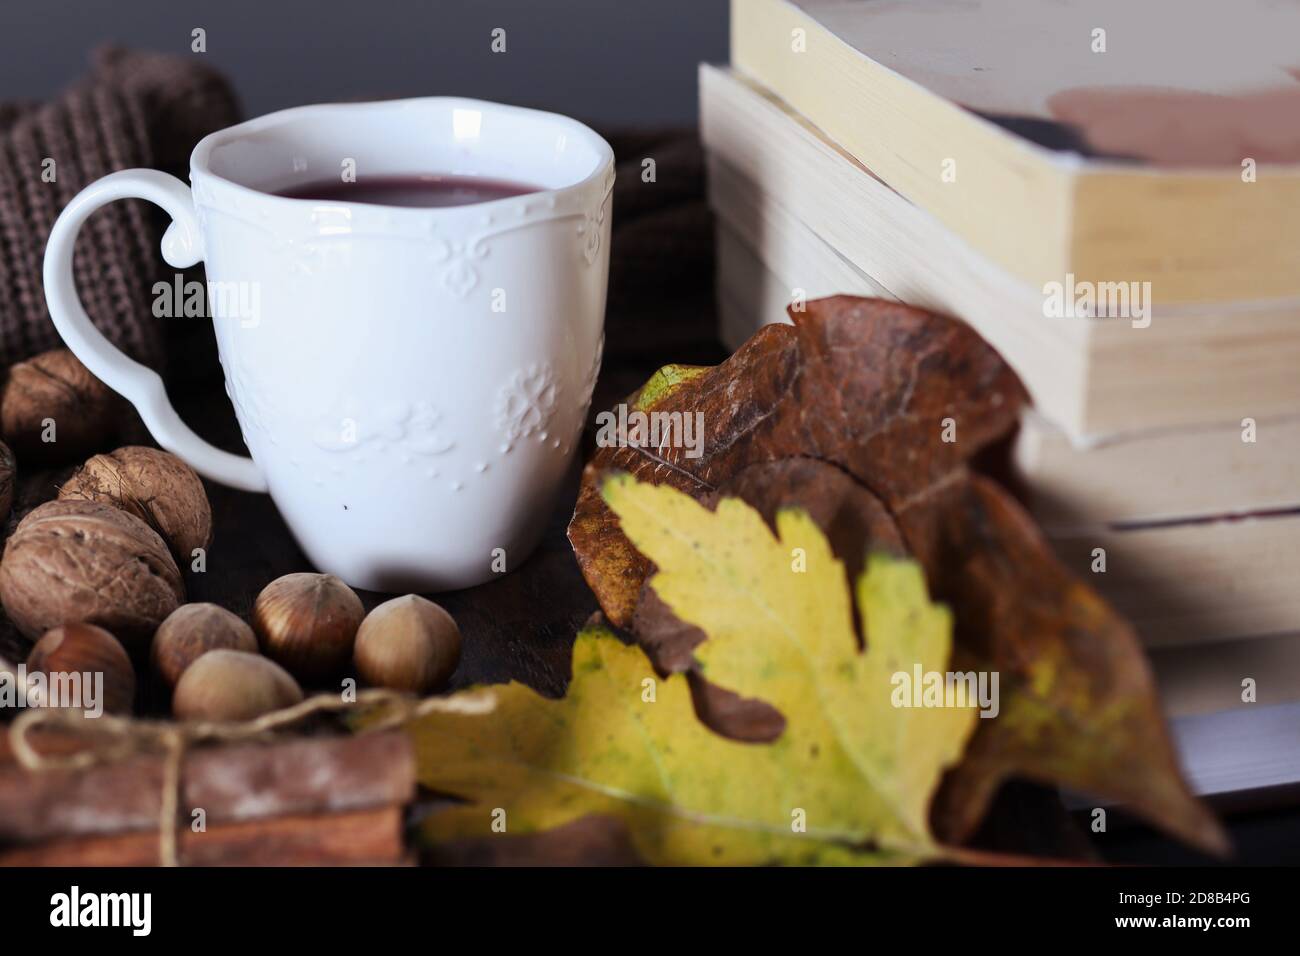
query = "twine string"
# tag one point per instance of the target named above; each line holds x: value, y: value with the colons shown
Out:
x: 122, y: 737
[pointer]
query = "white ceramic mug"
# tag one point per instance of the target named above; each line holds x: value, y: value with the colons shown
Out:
x: 411, y: 382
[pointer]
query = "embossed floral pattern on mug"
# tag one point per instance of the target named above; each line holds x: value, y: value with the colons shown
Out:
x: 458, y: 273
x: 590, y: 230
x: 526, y: 403
x: 399, y: 428
x: 589, y: 383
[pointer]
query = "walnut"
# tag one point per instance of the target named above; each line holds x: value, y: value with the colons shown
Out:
x: 75, y: 561
x: 156, y: 487
x: 55, y: 388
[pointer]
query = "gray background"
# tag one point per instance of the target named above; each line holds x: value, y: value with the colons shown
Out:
x: 622, y: 62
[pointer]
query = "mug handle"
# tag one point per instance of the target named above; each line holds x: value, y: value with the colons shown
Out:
x: 182, y: 246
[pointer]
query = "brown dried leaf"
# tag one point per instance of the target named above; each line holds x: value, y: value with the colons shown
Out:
x: 844, y: 415
x: 860, y: 383
x: 1079, y: 706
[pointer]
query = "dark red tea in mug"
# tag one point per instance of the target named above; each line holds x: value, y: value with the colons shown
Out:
x: 421, y: 191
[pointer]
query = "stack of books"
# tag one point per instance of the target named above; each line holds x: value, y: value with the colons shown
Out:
x: 1109, y: 193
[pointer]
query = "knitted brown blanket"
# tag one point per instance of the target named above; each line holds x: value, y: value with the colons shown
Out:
x: 132, y: 109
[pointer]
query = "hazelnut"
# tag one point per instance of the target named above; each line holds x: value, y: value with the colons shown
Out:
x: 84, y: 649
x: 55, y: 386
x: 408, y: 643
x: 73, y: 561
x: 226, y: 685
x: 156, y: 487
x: 308, y: 623
x: 191, y: 631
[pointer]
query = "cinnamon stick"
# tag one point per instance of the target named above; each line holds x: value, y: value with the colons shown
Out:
x: 358, y: 837
x: 231, y: 784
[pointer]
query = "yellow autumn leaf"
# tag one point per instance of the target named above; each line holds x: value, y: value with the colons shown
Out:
x: 848, y: 781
